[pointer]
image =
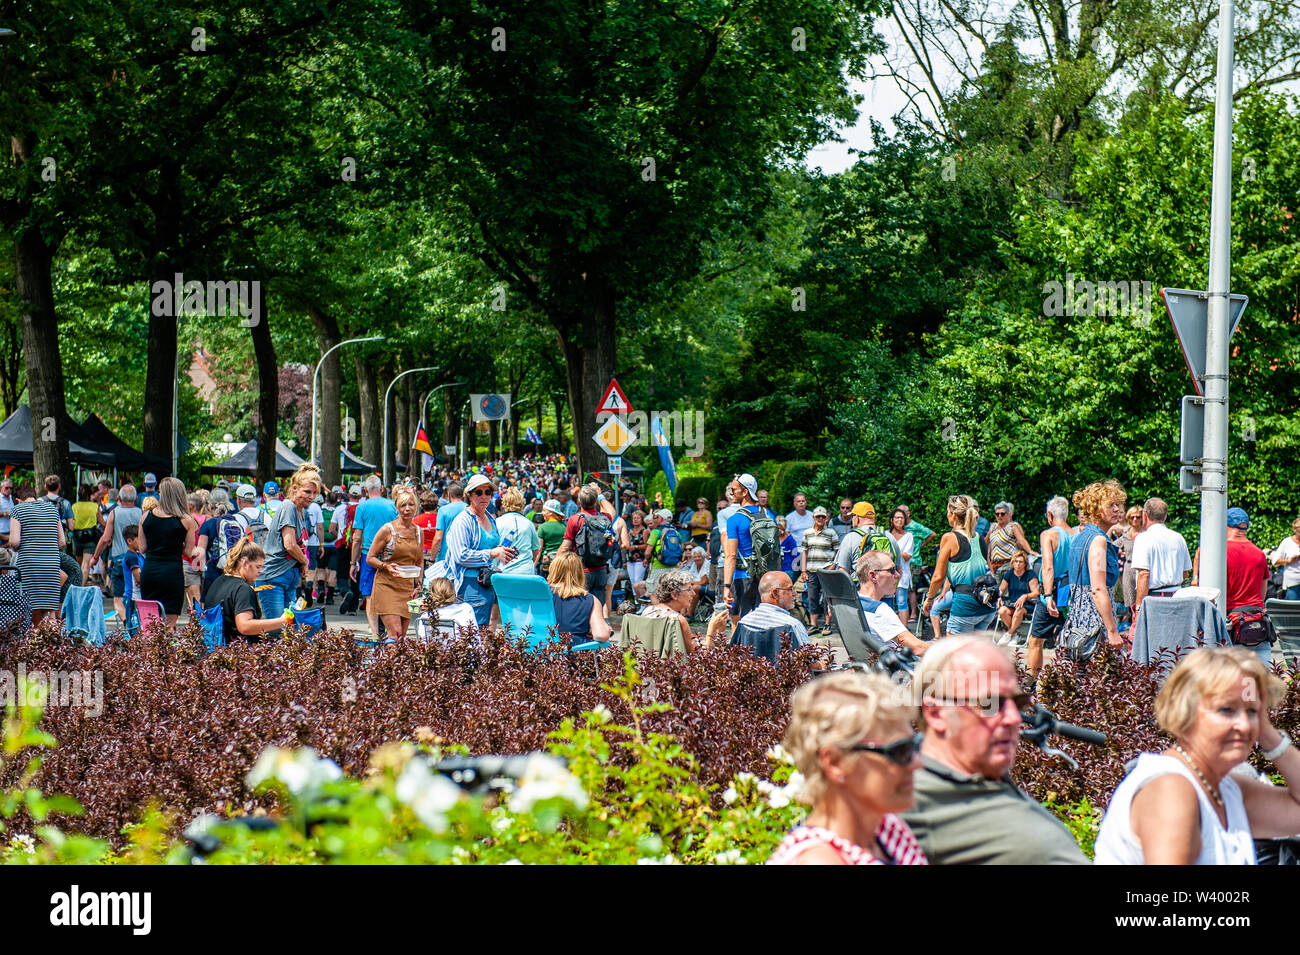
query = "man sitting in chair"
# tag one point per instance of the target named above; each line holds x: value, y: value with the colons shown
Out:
x: 775, y: 601
x: 879, y: 573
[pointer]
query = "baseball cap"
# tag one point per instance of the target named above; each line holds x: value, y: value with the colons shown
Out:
x: 553, y: 506
x: 820, y: 511
x: 664, y: 513
x: 863, y: 509
x: 223, y: 484
x: 749, y: 483
x: 150, y: 479
x: 336, y: 489
x: 1237, y: 517
x: 245, y: 491
x: 354, y: 490
x: 271, y: 487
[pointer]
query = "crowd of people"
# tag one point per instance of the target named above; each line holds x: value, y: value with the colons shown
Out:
x: 879, y: 790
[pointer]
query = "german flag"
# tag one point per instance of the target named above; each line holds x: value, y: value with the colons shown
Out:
x: 421, y: 442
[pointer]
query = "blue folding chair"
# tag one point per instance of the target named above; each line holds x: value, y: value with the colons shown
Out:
x: 313, y: 619
x: 526, y: 606
x: 212, y: 622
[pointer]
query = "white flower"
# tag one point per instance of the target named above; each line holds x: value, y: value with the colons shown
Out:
x: 430, y: 795
x: 764, y: 786
x: 744, y: 777
x: 22, y: 842
x: 501, y: 822
x: 301, y: 771
x: 779, y: 754
x: 778, y: 799
x: 545, y: 777
x: 730, y: 857
x: 730, y: 795
x: 512, y: 862
x: 666, y: 860
x: 794, y: 785
x: 602, y: 713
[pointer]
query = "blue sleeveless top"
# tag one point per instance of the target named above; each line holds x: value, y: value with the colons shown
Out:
x: 1079, y: 558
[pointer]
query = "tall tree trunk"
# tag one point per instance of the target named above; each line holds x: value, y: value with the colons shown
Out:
x: 560, y: 446
x: 12, y: 364
x: 161, y: 353
x: 539, y: 422
x: 399, y: 442
x: 371, y: 421
x: 268, y: 395
x: 33, y: 261
x: 327, y: 425
x: 494, y: 439
x: 589, y: 356
x: 449, y: 435
x: 413, y: 412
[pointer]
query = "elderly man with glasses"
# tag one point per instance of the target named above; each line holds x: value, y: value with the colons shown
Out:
x: 968, y: 811
x: 878, y: 575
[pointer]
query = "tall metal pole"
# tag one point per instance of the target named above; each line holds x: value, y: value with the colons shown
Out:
x: 1214, y: 477
x: 315, y: 376
x: 424, y: 406
x: 388, y: 458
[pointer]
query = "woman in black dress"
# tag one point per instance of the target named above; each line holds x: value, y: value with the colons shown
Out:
x: 165, y: 535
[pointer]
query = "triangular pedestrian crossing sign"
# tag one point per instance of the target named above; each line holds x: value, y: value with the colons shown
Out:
x: 614, y: 401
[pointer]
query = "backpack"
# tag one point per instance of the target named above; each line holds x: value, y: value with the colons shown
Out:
x: 873, y: 538
x: 594, y: 540
x: 668, y: 549
x: 229, y: 530
x: 765, y: 554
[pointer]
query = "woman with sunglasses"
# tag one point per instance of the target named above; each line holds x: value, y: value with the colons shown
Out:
x: 851, y: 737
x: 1006, y: 537
x: 473, y: 545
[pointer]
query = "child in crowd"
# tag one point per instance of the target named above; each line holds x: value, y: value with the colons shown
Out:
x: 132, y: 561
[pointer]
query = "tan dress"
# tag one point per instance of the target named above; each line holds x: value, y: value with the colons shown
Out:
x: 390, y: 594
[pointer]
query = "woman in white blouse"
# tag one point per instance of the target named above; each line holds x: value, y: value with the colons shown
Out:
x: 1287, y: 556
x: 1198, y: 801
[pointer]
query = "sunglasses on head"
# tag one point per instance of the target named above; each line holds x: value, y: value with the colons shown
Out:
x: 899, y: 752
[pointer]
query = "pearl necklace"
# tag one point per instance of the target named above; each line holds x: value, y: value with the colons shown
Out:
x: 1214, y: 793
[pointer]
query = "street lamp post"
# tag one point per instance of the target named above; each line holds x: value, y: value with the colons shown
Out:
x: 424, y: 405
x: 315, y: 376
x: 388, y: 459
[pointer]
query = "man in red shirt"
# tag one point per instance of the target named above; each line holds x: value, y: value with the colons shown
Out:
x: 1247, y: 573
x: 588, y: 497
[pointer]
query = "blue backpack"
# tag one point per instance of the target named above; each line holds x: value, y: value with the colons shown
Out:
x: 669, y: 549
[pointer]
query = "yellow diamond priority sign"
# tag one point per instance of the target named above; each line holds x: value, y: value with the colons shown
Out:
x: 613, y: 437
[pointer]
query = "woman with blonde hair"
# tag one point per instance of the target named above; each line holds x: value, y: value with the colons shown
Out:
x: 1094, y: 561
x: 1124, y: 538
x: 578, y: 614
x: 1199, y: 802
x: 241, y: 611
x: 287, y: 533
x: 396, y: 551
x: 520, y: 533
x: 852, y: 739
x: 960, y: 563
x: 166, y: 538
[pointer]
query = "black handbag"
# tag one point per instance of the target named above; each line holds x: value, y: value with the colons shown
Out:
x: 485, y: 575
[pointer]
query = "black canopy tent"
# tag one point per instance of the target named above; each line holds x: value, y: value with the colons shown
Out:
x: 354, y: 465
x: 94, y: 433
x: 244, y: 461
x: 17, y: 443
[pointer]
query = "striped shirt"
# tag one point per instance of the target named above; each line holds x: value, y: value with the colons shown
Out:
x: 820, y: 547
x: 893, y: 835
